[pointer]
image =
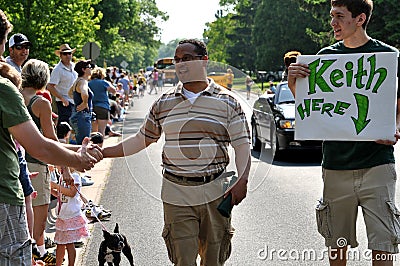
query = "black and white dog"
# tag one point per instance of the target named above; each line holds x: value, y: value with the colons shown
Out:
x: 112, y: 246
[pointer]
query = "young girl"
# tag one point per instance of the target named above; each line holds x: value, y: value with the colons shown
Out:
x: 71, y: 224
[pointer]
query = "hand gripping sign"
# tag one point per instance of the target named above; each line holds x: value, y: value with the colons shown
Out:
x: 347, y: 97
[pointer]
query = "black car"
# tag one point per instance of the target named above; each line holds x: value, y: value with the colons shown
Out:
x: 273, y: 122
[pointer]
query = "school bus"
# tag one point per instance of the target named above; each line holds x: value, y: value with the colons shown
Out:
x: 165, y: 65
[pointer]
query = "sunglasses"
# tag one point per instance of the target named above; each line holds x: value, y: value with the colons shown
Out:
x: 66, y: 53
x: 185, y: 58
x: 20, y: 47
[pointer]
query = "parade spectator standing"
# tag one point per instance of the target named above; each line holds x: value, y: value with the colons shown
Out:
x: 124, y: 80
x: 101, y: 103
x: 229, y: 78
x: 152, y: 82
x: 19, y: 46
x: 12, y: 74
x: 249, y: 83
x: 35, y: 75
x: 71, y: 223
x: 156, y: 78
x: 356, y: 173
x: 141, y: 82
x: 289, y: 57
x: 194, y: 166
x: 61, y: 79
x: 81, y: 118
x: 16, y: 121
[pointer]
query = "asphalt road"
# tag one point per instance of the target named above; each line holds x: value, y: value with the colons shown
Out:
x: 275, y: 224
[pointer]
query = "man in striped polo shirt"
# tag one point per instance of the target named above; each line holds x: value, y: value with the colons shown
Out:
x: 199, y: 119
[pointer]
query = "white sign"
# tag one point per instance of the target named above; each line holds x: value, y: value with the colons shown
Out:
x: 124, y: 64
x: 347, y: 97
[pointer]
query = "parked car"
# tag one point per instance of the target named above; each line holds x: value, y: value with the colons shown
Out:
x: 273, y: 122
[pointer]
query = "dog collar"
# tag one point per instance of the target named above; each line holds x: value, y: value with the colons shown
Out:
x: 109, y: 251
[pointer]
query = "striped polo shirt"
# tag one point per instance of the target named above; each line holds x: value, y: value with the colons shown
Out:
x: 196, y: 135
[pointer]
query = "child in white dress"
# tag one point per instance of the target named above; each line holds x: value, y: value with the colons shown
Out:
x: 71, y: 223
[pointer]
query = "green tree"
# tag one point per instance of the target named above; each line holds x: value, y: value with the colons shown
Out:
x: 128, y: 31
x: 168, y: 50
x: 280, y: 26
x: 48, y: 24
x: 241, y: 50
x: 216, y: 36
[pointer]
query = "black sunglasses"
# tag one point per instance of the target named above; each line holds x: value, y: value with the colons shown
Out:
x: 66, y: 53
x: 20, y: 47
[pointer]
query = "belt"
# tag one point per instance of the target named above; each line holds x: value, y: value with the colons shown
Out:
x: 199, y: 179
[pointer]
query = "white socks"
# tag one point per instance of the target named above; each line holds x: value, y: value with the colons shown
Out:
x: 42, y: 250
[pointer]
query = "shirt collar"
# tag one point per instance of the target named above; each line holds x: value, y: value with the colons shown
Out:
x: 209, y: 90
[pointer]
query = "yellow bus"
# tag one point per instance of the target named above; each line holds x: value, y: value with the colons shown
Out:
x: 165, y: 65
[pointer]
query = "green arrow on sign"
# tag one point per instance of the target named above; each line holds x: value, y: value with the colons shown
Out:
x: 362, y: 104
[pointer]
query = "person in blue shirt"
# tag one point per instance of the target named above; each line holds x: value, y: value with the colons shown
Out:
x: 100, y: 101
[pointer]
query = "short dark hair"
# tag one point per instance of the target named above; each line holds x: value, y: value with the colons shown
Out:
x: 80, y: 66
x: 62, y: 130
x: 357, y: 7
x: 5, y: 26
x: 201, y: 47
x: 96, y: 137
x: 290, y: 57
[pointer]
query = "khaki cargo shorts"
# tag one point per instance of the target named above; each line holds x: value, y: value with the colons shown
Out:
x: 189, y: 231
x: 41, y: 184
x: 374, y: 190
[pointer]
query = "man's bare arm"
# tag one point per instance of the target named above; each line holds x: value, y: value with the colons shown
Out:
x: 48, y: 150
x: 52, y: 88
x: 128, y: 146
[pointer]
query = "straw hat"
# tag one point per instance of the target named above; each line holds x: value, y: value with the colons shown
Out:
x: 64, y: 48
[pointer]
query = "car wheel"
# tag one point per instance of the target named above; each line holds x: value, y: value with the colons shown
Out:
x: 255, y: 141
x: 275, y: 146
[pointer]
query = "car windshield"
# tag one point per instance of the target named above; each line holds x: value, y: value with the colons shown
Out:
x: 284, y: 95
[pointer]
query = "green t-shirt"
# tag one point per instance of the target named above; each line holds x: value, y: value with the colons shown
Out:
x: 350, y: 155
x: 12, y: 113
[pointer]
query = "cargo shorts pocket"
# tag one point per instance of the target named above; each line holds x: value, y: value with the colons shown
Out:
x: 166, y: 234
x: 323, y: 219
x: 395, y: 222
x: 226, y: 245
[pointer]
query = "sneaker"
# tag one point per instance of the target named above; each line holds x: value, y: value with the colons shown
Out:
x: 49, y: 258
x: 86, y: 181
x: 35, y: 252
x: 48, y: 243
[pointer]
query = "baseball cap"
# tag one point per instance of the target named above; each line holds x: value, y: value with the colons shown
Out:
x: 18, y: 39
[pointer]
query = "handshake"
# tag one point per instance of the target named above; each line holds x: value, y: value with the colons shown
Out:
x: 90, y: 151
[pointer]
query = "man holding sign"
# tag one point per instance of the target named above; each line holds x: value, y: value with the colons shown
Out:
x: 355, y: 173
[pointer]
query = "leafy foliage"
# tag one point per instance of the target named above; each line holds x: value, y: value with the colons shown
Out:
x: 48, y: 24
x: 124, y: 29
x: 168, y: 50
x: 127, y: 32
x: 281, y: 26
